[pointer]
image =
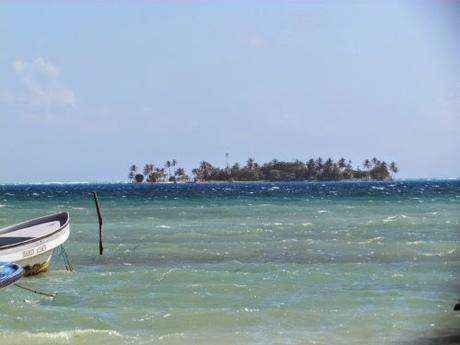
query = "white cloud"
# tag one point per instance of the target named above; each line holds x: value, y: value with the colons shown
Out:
x: 37, y: 67
x: 41, y: 87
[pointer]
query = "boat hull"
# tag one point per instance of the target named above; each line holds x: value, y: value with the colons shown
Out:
x: 34, y: 256
x: 37, y: 264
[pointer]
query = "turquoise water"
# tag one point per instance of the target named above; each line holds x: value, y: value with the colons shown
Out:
x: 274, y: 263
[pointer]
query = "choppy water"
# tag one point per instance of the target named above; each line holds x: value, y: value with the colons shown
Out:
x: 292, y: 263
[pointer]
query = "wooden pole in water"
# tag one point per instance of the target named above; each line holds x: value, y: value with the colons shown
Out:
x: 99, y: 217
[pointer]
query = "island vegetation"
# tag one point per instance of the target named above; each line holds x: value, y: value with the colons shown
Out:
x: 312, y: 170
x: 152, y: 173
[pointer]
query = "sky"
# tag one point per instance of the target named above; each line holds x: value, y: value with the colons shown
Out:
x: 89, y: 88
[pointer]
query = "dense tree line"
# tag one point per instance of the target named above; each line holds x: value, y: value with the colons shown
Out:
x: 275, y: 170
x: 312, y: 170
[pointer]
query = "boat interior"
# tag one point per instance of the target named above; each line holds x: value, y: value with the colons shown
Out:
x: 32, y: 230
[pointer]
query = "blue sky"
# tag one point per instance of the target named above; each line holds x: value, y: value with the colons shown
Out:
x: 88, y: 88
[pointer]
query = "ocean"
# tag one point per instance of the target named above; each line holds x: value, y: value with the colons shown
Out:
x: 243, y: 263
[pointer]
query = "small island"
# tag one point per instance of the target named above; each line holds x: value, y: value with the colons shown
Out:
x: 312, y: 170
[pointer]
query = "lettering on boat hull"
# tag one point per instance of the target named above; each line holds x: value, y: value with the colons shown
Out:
x: 34, y: 251
x: 27, y: 253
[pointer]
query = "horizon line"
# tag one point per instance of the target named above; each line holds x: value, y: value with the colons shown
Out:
x: 220, y: 182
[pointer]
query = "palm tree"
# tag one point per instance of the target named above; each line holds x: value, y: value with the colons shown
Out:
x: 310, y: 169
x: 205, y: 171
x: 227, y: 167
x: 319, y: 163
x: 393, y: 167
x: 250, y: 163
x: 180, y: 173
x: 132, y: 172
x: 174, y: 163
x: 342, y: 164
x: 168, y: 165
x: 148, y: 169
x: 160, y: 172
x: 348, y: 171
x: 197, y: 173
x: 152, y: 177
x: 328, y: 170
x: 367, y: 164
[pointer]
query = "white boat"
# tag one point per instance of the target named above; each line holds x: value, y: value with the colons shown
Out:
x: 30, y: 244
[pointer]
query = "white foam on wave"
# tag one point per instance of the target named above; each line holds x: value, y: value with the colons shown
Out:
x: 389, y: 219
x: 397, y: 275
x: 440, y: 254
x: 378, y: 188
x: 432, y: 254
x: 371, y: 240
x: 250, y: 310
x: 163, y: 226
x: 60, y: 337
x: 240, y: 285
x: 169, y: 335
x: 415, y: 243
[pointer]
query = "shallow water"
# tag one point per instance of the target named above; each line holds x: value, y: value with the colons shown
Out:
x: 256, y: 263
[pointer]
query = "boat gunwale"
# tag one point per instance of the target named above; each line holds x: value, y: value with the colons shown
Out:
x: 32, y: 222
